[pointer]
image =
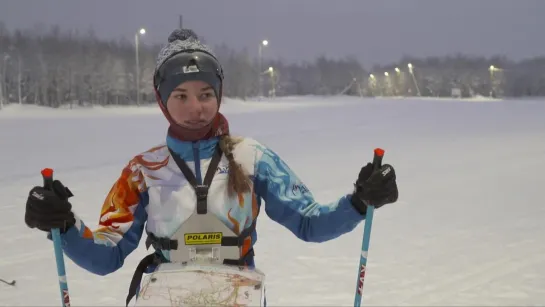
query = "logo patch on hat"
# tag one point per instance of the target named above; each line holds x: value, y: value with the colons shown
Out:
x: 190, y: 69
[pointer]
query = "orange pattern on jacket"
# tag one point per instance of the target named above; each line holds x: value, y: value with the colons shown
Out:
x: 118, y: 207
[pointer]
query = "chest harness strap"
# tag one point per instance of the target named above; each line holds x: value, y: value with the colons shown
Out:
x: 163, y: 243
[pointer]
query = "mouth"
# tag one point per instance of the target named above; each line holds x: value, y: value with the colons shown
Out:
x: 195, y: 124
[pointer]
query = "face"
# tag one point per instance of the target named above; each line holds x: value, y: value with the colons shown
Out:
x: 193, y: 104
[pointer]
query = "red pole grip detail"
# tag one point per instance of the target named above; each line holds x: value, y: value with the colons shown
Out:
x: 379, y: 152
x: 47, y: 172
x: 47, y: 175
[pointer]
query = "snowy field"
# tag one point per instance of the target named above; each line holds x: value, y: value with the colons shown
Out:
x: 469, y: 228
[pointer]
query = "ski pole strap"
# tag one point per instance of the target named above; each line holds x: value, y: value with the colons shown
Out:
x: 201, y: 190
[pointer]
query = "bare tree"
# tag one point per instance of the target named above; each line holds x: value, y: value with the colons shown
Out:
x: 50, y: 67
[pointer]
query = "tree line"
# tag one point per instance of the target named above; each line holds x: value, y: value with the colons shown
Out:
x: 50, y: 67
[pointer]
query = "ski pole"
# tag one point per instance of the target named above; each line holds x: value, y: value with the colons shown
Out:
x: 47, y: 175
x: 377, y: 161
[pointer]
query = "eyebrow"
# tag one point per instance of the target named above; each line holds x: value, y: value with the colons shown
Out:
x: 184, y: 90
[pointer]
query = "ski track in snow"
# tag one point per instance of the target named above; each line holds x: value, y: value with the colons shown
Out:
x: 467, y: 230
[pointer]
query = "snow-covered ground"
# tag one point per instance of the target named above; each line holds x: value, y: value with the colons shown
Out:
x: 468, y: 229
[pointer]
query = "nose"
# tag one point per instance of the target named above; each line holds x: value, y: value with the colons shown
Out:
x: 194, y: 106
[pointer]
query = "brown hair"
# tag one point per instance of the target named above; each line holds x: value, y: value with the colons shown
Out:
x: 238, y: 181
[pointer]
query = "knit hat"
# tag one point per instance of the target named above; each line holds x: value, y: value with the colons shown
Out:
x: 185, y: 58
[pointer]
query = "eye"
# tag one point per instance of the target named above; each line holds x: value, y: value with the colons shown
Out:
x: 207, y: 95
x: 180, y: 96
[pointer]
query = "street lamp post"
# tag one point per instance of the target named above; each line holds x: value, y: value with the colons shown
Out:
x: 273, y: 83
x: 372, y: 84
x: 398, y: 83
x: 387, y: 84
x: 136, y: 43
x: 273, y: 78
x: 492, y: 70
x: 414, y: 79
x: 260, y: 60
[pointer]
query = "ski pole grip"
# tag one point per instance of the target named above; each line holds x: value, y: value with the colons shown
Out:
x: 377, y: 159
x: 47, y: 175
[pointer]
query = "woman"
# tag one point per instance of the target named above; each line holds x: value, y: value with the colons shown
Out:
x: 201, y: 180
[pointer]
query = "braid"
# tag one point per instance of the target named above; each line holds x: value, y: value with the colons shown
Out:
x: 238, y: 181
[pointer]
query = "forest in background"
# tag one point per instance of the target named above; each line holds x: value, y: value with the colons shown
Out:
x: 51, y: 67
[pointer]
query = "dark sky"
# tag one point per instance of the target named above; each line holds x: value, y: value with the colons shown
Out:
x: 375, y: 31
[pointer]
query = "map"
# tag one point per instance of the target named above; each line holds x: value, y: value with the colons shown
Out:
x: 202, y: 285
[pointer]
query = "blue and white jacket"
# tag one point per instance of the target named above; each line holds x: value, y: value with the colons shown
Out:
x: 152, y: 194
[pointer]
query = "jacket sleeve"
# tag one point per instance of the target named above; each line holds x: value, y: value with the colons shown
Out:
x: 289, y: 202
x: 120, y: 226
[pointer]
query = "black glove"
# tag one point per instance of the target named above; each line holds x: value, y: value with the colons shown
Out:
x: 46, y: 209
x: 375, y: 188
